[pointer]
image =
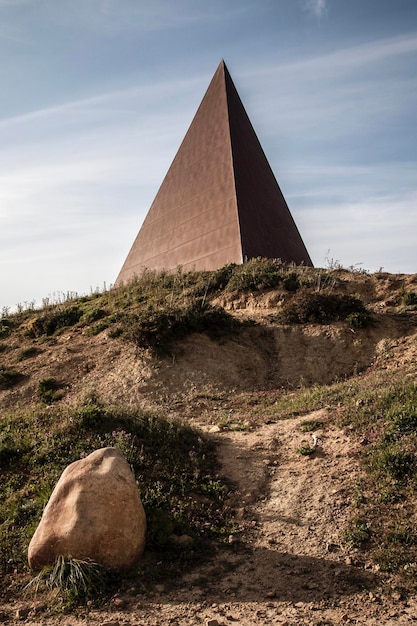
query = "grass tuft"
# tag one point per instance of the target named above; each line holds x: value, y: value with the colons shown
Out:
x: 77, y: 581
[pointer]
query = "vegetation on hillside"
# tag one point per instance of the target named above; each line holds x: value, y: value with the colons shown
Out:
x: 175, y: 465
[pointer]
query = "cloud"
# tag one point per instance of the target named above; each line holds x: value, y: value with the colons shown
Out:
x: 318, y: 8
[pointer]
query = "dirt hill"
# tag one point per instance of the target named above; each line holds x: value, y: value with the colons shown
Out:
x: 283, y: 392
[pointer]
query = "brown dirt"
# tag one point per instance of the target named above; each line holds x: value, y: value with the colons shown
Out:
x: 290, y: 565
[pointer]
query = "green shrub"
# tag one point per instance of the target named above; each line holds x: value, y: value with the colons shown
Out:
x: 307, y: 426
x: 357, y: 533
x: 360, y: 319
x: 157, y: 329
x: 410, y: 298
x: 49, y: 390
x: 322, y: 308
x: 93, y: 315
x: 54, y: 320
x: 256, y: 274
x: 98, y: 328
x: 305, y: 450
x: 5, y: 327
x: 395, y: 463
x: 9, y: 378
x: 28, y: 353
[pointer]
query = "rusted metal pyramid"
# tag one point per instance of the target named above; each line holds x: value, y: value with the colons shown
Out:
x: 219, y: 202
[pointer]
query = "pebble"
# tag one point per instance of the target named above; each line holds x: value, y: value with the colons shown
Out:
x: 22, y: 614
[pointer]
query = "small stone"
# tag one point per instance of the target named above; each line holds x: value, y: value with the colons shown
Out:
x: 212, y: 622
x: 22, y: 614
x: 332, y: 547
x: 184, y: 540
x: 214, y: 429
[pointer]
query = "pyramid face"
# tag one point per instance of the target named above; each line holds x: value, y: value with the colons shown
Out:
x: 219, y: 202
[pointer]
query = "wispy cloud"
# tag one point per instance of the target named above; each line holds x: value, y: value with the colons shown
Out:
x: 318, y: 8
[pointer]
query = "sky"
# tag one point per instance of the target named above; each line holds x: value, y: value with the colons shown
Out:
x: 97, y: 95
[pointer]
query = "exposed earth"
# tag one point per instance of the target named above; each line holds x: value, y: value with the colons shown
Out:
x: 289, y: 565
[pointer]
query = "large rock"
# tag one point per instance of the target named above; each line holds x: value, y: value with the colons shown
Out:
x: 93, y: 513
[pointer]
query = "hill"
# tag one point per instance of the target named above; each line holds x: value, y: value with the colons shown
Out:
x: 299, y: 388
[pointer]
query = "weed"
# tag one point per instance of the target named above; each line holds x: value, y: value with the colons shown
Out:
x: 77, y: 581
x: 307, y: 426
x: 93, y: 315
x: 9, y: 377
x: 357, y: 533
x: 305, y: 450
x: 234, y: 423
x: 97, y: 328
x: 396, y: 464
x: 359, y: 319
x: 53, y: 320
x: 49, y: 390
x: 410, y: 298
x: 28, y: 353
x: 5, y: 328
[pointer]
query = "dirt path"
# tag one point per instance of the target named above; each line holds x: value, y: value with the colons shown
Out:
x: 290, y: 566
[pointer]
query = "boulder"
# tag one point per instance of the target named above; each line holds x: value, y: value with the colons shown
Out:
x: 94, y: 513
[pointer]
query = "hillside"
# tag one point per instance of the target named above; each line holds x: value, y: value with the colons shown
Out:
x: 301, y: 381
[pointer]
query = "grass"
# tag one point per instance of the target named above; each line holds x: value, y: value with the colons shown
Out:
x: 77, y: 581
x: 49, y: 390
x: 174, y: 466
x: 9, y: 377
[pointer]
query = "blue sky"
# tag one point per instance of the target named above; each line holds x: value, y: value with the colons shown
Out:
x: 98, y: 94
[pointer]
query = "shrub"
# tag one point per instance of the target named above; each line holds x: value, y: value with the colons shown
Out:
x: 256, y: 274
x: 157, y: 329
x: 9, y: 378
x: 357, y: 533
x: 28, y: 353
x: 359, y: 319
x: 306, y: 450
x: 94, y: 315
x: 49, y: 390
x: 98, y: 328
x: 53, y: 320
x: 322, y: 308
x: 5, y: 327
x: 395, y: 463
x: 410, y: 298
x: 307, y: 426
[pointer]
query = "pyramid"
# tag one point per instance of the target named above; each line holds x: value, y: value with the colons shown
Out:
x: 219, y: 203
